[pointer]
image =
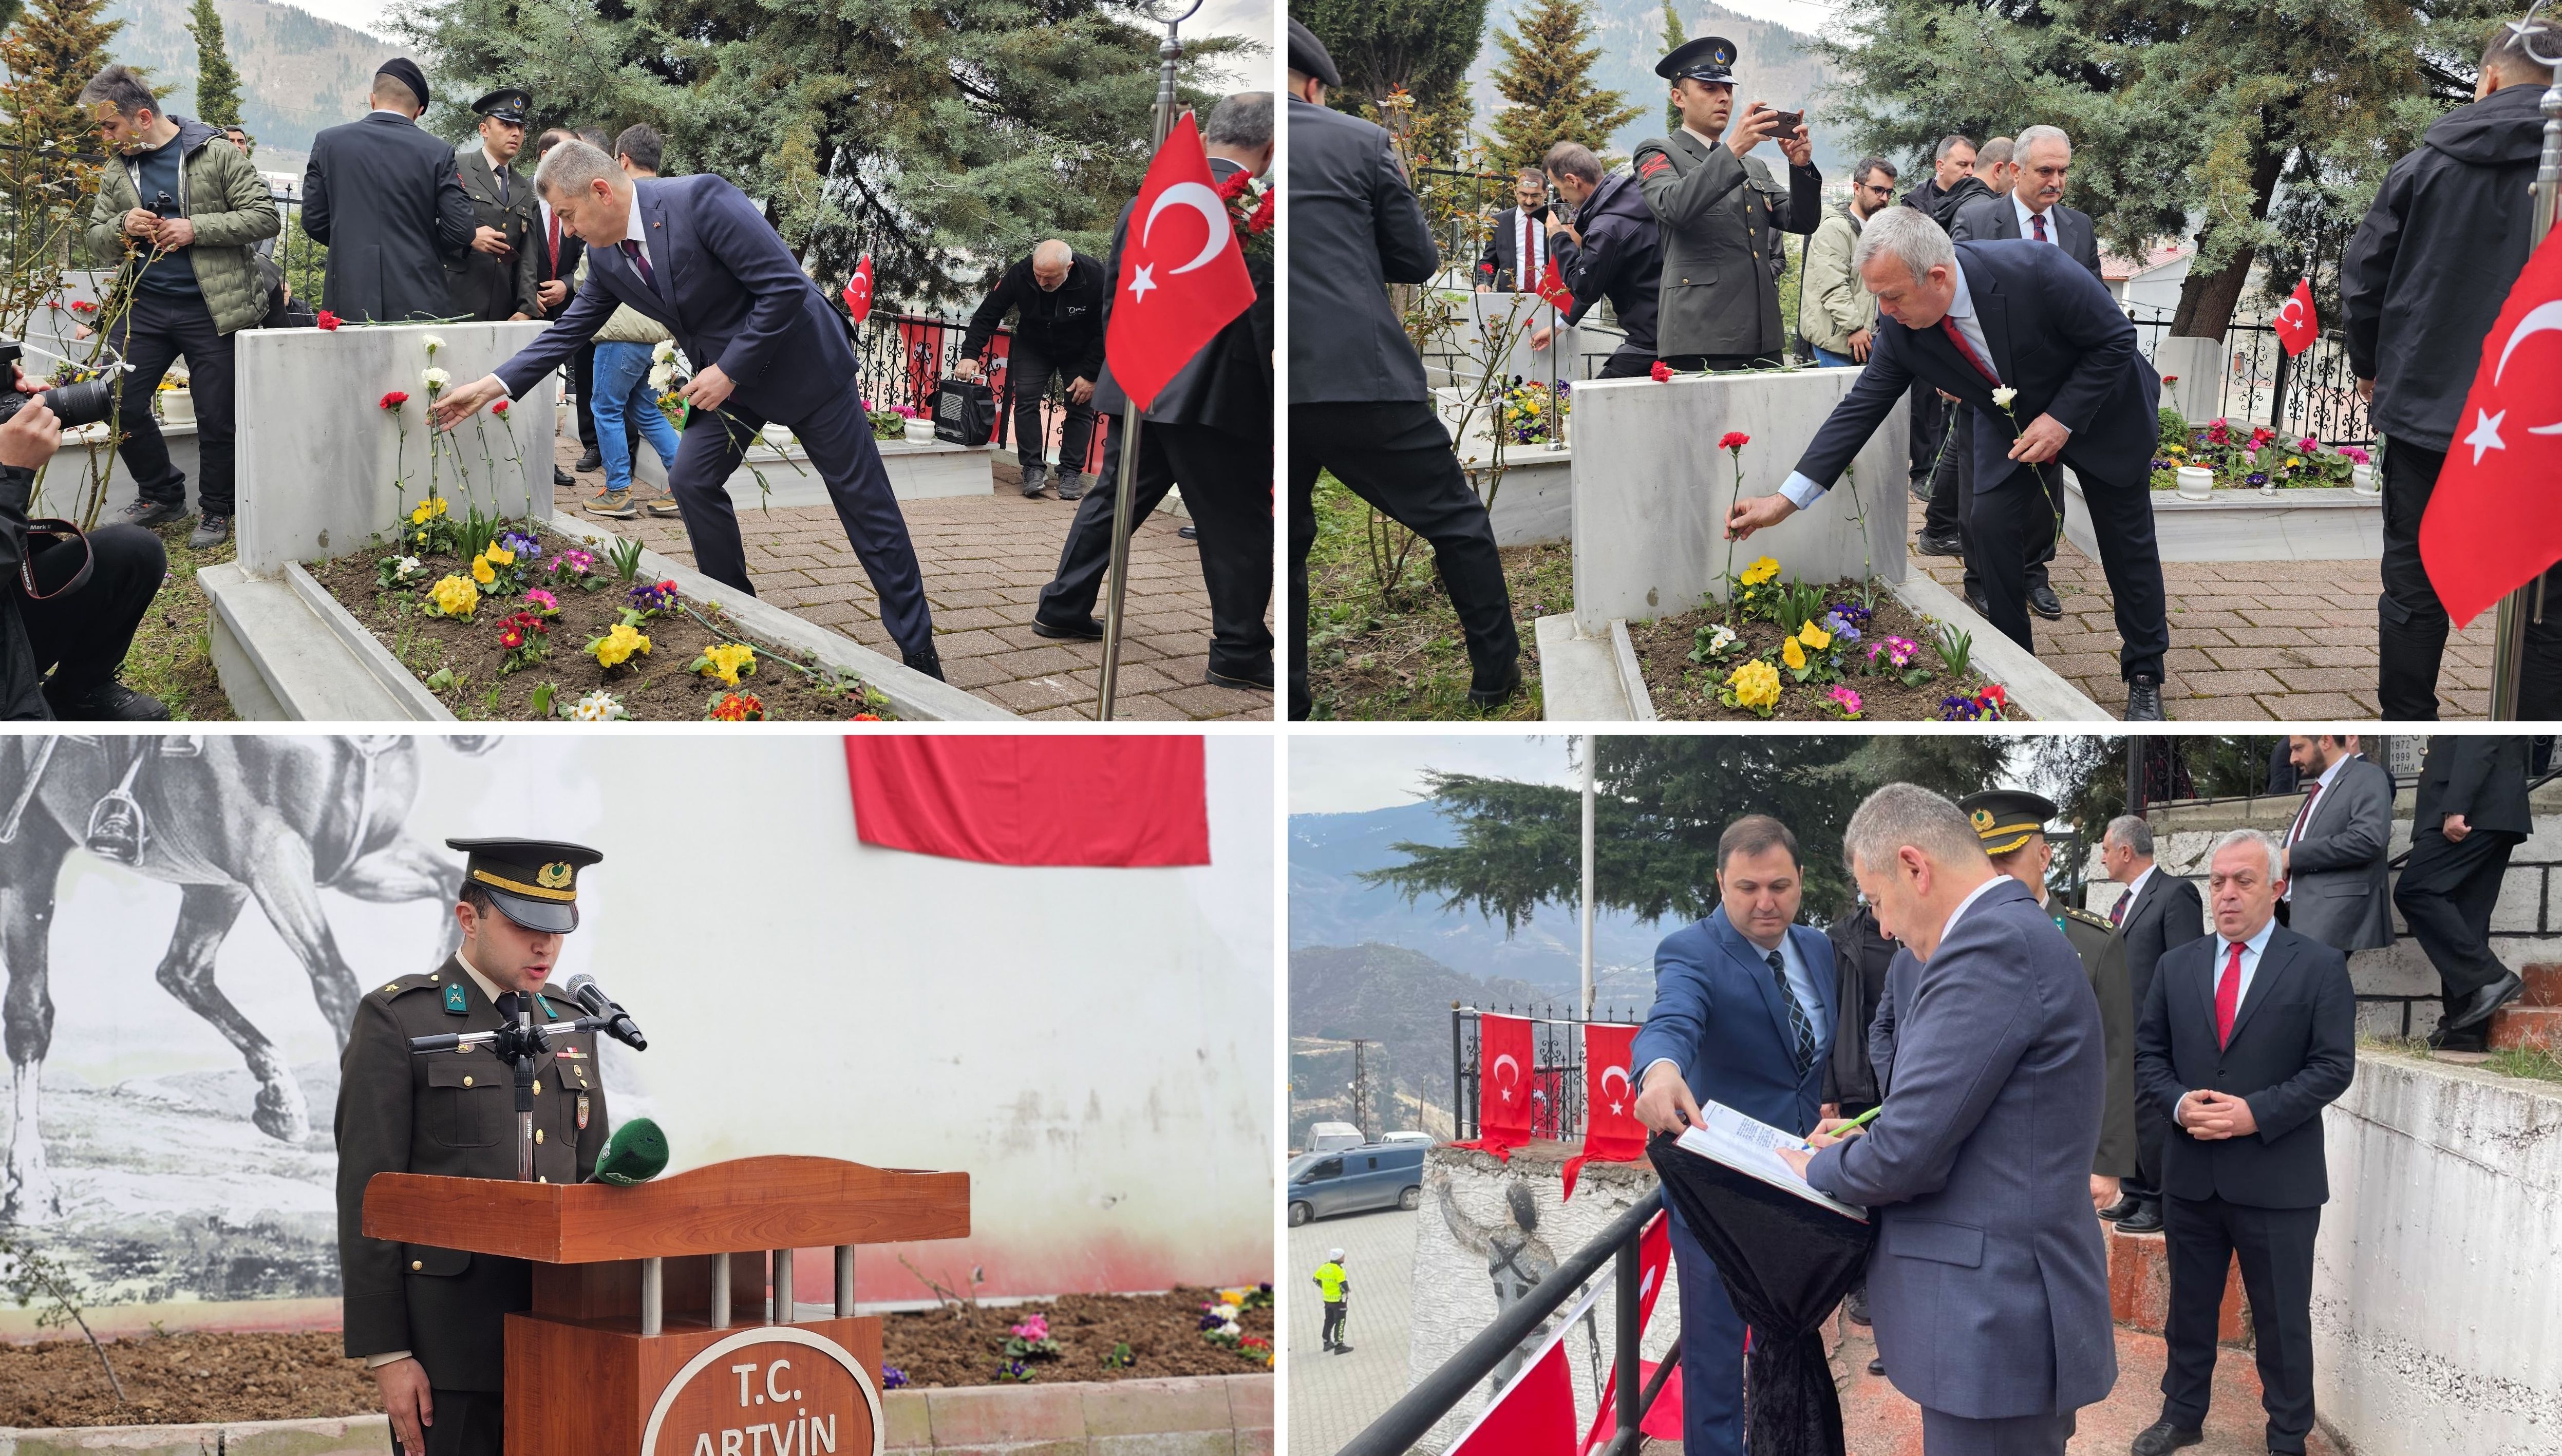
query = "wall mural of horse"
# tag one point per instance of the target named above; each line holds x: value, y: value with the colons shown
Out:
x: 228, y: 819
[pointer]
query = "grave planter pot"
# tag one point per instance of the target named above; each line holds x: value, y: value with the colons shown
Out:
x: 2196, y: 482
x: 177, y: 407
x: 920, y: 431
x: 2361, y: 479
x: 2299, y: 523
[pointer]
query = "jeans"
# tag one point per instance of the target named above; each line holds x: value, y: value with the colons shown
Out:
x: 155, y: 332
x: 621, y: 379
x: 1830, y: 360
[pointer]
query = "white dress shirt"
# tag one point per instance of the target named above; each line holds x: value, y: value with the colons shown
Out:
x: 638, y: 231
x: 1801, y: 985
x: 1966, y: 905
x: 1803, y: 492
x: 2252, y: 950
x: 2137, y: 889
x: 2053, y: 224
x: 2305, y: 816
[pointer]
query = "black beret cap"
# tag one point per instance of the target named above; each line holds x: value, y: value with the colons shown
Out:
x: 1308, y: 55
x: 406, y: 71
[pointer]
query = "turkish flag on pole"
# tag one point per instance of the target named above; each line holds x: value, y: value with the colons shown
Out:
x: 1534, y: 1414
x: 1612, y: 1132
x: 2297, y: 325
x: 2494, y: 521
x: 1662, y: 1420
x: 1552, y: 288
x: 1182, y: 277
x: 1104, y: 800
x: 1503, y: 1086
x: 858, y: 294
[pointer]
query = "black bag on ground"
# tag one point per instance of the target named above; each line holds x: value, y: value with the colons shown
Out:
x: 1787, y: 1263
x: 965, y: 412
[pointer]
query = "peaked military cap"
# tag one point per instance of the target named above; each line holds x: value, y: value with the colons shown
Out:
x: 534, y: 881
x: 507, y: 104
x: 1710, y: 57
x: 2005, y: 819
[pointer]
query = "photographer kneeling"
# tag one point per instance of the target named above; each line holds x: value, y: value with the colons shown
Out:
x: 65, y: 606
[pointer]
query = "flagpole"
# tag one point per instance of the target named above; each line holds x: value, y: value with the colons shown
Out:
x: 1590, y: 742
x: 2518, y: 607
x: 1126, y: 487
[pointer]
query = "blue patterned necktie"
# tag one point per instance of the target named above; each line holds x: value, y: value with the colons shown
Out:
x: 640, y: 260
x: 1797, y: 1021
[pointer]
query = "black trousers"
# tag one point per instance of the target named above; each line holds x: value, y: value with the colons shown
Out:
x: 1227, y: 487
x: 1333, y: 1333
x: 2446, y: 895
x: 84, y: 636
x: 2275, y: 1247
x: 2008, y: 519
x: 840, y: 440
x: 1028, y: 372
x: 582, y: 383
x: 1951, y: 474
x: 1396, y: 456
x: 2150, y: 1128
x: 1721, y: 362
x: 153, y: 334
x: 1930, y: 423
x: 1957, y: 469
x: 2411, y: 622
x: 463, y: 1423
x: 1628, y: 362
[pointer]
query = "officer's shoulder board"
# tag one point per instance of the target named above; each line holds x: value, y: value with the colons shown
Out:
x: 2094, y: 921
x: 391, y: 991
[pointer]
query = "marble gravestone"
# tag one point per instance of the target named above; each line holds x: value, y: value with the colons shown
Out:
x: 323, y: 468
x: 1651, y: 490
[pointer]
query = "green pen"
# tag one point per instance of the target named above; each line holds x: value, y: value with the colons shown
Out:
x: 1860, y: 1121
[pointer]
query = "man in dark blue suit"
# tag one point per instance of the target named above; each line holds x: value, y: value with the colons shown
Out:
x: 2016, y: 324
x: 694, y: 254
x: 1743, y: 1014
x: 2247, y: 1035
x: 1988, y: 1289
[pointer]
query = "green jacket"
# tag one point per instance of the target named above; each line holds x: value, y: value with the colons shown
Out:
x: 223, y: 195
x: 1837, y: 305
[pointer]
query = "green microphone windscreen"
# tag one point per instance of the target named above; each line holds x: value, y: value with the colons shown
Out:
x: 637, y: 1153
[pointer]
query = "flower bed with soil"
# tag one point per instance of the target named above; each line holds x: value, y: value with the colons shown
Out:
x: 1841, y: 658
x: 512, y: 620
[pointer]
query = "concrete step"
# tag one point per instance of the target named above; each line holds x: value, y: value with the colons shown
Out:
x: 2139, y: 1288
x: 2528, y: 1027
x: 2543, y: 986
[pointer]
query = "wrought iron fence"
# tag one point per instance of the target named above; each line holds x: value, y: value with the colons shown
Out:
x: 2313, y: 393
x: 901, y: 358
x: 1555, y: 1073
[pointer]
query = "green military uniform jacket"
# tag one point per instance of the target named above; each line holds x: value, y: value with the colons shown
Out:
x: 452, y: 1114
x: 1722, y: 217
x: 2103, y: 960
x: 484, y: 288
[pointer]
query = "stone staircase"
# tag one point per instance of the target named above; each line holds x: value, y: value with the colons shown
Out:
x: 2139, y: 1287
x: 2534, y: 1021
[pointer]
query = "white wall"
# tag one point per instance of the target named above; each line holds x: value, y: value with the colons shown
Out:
x: 1094, y: 1046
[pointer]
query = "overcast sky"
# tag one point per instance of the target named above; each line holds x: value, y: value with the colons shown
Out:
x: 1344, y: 774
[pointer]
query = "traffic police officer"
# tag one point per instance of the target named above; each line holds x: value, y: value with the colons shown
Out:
x: 1721, y: 215
x: 2011, y: 824
x: 1332, y: 1284
x: 500, y: 275
x: 428, y: 1321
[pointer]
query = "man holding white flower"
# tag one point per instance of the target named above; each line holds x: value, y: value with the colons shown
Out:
x: 2035, y: 344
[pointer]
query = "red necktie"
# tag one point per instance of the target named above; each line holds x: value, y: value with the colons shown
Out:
x: 2295, y: 830
x: 1949, y: 326
x: 2118, y: 912
x: 555, y: 244
x: 2038, y: 221
x: 2228, y: 996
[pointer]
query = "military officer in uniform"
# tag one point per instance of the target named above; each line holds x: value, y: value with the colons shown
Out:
x: 429, y: 1322
x: 2011, y: 823
x: 500, y: 275
x: 1721, y: 215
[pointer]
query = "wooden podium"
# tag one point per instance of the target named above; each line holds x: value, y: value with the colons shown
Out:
x: 625, y: 1354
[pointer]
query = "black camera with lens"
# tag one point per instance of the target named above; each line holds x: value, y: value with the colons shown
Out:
x: 85, y: 403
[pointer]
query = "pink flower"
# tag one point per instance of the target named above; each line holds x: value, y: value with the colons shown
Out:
x: 1846, y: 700
x: 2355, y: 456
x: 543, y: 599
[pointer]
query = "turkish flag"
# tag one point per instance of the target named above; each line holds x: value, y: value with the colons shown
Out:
x: 1534, y: 1416
x: 858, y: 294
x: 1551, y: 287
x: 1612, y: 1132
x: 2494, y: 521
x: 1090, y: 799
x: 1182, y: 276
x: 1661, y: 1420
x: 2297, y: 325
x: 1503, y: 1085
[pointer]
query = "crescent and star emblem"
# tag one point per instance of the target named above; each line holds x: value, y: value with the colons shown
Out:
x: 2485, y: 431
x: 2290, y: 302
x: 1201, y: 199
x: 1618, y: 1105
x: 1506, y: 1083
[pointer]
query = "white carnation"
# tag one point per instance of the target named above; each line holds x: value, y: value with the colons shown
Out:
x: 437, y: 379
x: 661, y: 376
x: 2004, y: 395
x: 664, y: 350
x: 434, y: 343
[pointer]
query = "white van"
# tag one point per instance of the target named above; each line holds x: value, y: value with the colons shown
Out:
x: 1333, y: 1137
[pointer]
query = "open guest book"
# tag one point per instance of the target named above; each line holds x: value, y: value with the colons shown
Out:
x: 1751, y: 1147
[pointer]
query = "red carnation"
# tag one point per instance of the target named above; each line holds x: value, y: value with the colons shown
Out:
x: 499, y: 408
x: 326, y: 320
x: 395, y: 399
x: 1235, y: 187
x: 1261, y: 222
x: 1661, y: 372
x: 1735, y: 440
x: 84, y: 306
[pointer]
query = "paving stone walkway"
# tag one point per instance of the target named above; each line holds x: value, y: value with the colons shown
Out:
x: 985, y: 559
x: 2290, y: 640
x: 1332, y: 1396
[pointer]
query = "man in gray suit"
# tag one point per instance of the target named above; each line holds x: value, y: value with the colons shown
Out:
x: 1989, y: 1286
x: 2160, y: 912
x: 2031, y: 208
x: 2337, y: 886
x: 1357, y: 401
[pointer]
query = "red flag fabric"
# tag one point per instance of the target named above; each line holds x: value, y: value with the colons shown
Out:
x: 2494, y: 521
x: 1107, y: 800
x: 1662, y: 1419
x: 858, y: 294
x: 1551, y: 287
x: 1612, y: 1132
x: 2297, y: 325
x: 1182, y: 276
x: 1534, y: 1414
x: 1503, y: 1085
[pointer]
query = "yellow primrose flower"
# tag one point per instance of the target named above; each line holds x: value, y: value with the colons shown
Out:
x: 1814, y: 636
x: 454, y: 597
x: 1793, y: 653
x: 726, y: 661
x: 1761, y: 571
x: 1755, y: 684
x: 616, y: 646
x: 483, y: 572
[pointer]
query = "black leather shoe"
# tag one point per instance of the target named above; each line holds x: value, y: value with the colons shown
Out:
x: 1920, y: 485
x: 1877, y: 1367
x: 2148, y: 1218
x: 1938, y: 543
x: 2162, y: 1439
x: 1259, y: 682
x: 929, y: 663
x: 1983, y: 609
x: 1855, y: 1306
x: 563, y: 479
x: 109, y: 702
x: 2143, y: 698
x: 1189, y: 533
x: 2471, y: 1039
x: 2122, y: 1208
x: 1085, y: 630
x: 2476, y: 1009
x: 1502, y: 692
x: 2044, y: 602
x: 591, y: 461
